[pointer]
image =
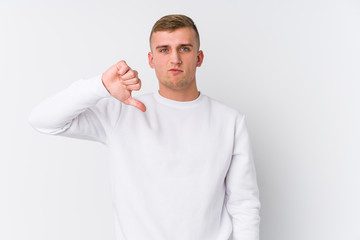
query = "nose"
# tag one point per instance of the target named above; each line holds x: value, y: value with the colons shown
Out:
x: 175, y: 58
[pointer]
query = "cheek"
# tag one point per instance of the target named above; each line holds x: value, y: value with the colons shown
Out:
x: 159, y: 63
x: 193, y: 62
x: 158, y: 66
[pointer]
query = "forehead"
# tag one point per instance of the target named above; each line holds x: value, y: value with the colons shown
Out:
x: 185, y: 35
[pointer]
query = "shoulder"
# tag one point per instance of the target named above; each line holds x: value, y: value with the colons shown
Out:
x: 111, y: 101
x: 224, y: 109
x: 144, y: 96
x: 112, y: 104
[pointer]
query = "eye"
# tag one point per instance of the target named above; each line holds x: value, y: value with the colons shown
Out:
x: 163, y: 50
x: 185, y: 49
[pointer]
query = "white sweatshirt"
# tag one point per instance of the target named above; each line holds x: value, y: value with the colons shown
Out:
x: 179, y: 171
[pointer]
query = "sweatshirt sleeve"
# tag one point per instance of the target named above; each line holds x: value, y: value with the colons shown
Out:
x: 241, y: 187
x: 81, y: 111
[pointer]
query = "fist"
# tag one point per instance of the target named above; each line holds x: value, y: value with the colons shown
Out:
x: 120, y: 80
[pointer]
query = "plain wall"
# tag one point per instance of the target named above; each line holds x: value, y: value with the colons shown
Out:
x: 293, y: 68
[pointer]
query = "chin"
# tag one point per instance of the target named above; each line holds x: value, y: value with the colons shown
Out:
x: 175, y: 85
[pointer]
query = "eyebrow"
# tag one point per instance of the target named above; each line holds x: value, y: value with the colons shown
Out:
x: 181, y: 45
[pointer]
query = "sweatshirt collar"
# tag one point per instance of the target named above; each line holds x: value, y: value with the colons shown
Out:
x: 177, y: 104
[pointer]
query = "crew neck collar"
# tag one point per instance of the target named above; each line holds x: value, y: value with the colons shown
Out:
x: 177, y: 104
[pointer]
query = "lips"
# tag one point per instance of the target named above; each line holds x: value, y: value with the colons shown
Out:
x: 175, y: 70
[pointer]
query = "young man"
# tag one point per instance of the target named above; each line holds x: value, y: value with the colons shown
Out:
x: 181, y: 168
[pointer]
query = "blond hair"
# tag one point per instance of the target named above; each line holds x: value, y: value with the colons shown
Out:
x: 173, y: 22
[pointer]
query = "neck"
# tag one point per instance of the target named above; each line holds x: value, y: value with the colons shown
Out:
x: 187, y: 94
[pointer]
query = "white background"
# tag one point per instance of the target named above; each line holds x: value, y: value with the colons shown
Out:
x: 293, y: 67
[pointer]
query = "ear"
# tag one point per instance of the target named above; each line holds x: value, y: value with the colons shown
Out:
x: 151, y: 58
x: 200, y: 58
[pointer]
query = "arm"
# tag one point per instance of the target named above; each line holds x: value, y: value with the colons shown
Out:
x: 73, y: 111
x: 241, y: 187
x: 81, y: 110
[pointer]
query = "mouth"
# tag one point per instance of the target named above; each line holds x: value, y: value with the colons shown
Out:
x: 175, y: 70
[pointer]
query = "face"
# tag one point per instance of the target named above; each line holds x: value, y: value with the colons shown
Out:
x: 175, y: 57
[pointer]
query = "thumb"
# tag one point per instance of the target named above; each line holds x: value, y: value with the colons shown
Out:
x: 133, y: 102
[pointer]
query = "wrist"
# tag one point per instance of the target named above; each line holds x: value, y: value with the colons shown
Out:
x: 102, y: 80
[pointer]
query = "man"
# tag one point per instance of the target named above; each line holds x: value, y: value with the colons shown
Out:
x: 181, y: 168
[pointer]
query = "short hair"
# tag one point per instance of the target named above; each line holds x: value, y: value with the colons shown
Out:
x: 174, y: 22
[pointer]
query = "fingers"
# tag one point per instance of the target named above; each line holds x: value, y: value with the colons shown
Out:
x: 128, y: 79
x: 130, y: 86
x: 127, y: 75
x: 130, y: 74
x: 122, y: 67
x: 133, y: 102
x: 131, y: 80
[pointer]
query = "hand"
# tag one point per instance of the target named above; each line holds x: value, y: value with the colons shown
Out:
x: 120, y: 80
